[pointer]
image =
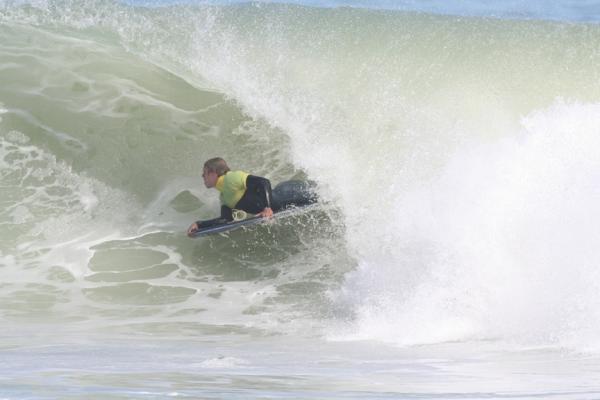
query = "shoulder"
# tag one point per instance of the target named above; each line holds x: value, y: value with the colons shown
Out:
x: 236, y: 177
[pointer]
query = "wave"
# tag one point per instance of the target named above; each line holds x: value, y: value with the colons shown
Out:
x: 464, y: 182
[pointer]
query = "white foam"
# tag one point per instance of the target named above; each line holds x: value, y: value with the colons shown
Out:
x: 61, y: 209
x: 17, y: 137
x: 223, y: 362
x: 501, y: 244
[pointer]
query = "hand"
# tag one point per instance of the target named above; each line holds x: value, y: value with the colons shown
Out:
x: 192, y: 229
x: 266, y: 213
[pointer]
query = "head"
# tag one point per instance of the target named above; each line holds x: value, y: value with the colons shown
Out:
x: 213, y: 169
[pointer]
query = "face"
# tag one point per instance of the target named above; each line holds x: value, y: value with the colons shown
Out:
x: 210, y: 178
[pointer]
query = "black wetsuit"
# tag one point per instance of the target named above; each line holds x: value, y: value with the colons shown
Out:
x: 256, y: 198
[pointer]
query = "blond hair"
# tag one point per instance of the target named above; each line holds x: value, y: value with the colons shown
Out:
x: 217, y: 165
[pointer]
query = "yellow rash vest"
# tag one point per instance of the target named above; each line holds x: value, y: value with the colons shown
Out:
x: 232, y: 186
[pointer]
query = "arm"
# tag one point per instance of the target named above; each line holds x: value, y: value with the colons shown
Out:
x: 262, y: 188
x: 224, y: 218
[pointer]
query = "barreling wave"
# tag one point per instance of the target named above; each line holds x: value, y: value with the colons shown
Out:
x: 459, y: 151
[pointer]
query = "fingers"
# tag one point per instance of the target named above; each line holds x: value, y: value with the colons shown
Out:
x: 266, y: 213
x: 192, y: 229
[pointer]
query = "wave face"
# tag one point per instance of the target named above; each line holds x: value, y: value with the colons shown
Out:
x: 459, y: 154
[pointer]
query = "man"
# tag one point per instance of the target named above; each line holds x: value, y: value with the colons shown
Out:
x: 239, y: 191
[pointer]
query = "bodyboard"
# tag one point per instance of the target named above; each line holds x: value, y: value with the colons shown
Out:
x: 252, y: 220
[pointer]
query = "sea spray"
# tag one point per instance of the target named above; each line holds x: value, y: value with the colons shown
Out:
x: 503, y: 239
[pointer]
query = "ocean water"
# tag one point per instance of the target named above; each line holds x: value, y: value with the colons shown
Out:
x: 455, y: 253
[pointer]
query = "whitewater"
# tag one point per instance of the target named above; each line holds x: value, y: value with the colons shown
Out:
x: 455, y: 250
